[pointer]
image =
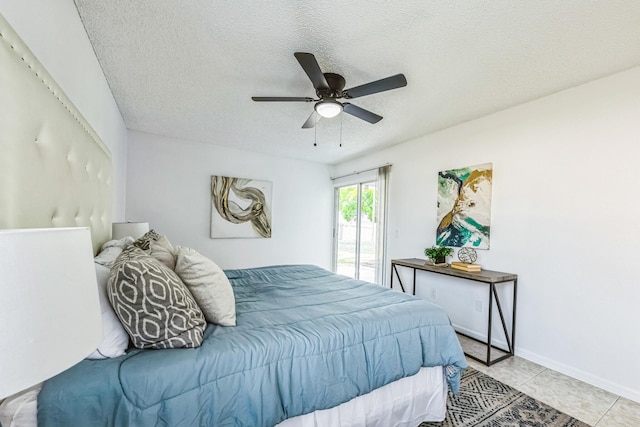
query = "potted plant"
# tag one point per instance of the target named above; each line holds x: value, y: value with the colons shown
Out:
x: 438, y: 254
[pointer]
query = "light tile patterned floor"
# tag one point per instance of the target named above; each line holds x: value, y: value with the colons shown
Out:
x: 582, y: 401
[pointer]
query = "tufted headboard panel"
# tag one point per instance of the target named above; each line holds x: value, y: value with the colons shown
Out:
x: 54, y: 169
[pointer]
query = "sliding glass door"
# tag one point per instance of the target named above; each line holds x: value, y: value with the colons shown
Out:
x: 358, y: 228
x: 356, y: 231
x: 346, y: 231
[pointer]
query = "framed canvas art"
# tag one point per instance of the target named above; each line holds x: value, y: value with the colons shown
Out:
x: 464, y: 206
x: 240, y: 208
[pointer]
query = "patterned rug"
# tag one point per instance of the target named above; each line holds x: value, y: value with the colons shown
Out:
x: 484, y: 401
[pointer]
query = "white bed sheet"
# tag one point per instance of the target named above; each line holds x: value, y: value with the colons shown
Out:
x: 403, y: 403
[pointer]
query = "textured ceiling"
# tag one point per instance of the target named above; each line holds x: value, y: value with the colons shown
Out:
x: 188, y: 69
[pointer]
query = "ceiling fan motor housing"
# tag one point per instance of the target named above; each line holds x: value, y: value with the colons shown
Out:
x: 336, y: 84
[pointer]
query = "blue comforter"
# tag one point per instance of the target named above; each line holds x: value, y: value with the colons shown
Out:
x: 306, y: 339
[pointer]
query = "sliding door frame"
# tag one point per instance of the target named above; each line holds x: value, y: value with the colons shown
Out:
x: 379, y: 177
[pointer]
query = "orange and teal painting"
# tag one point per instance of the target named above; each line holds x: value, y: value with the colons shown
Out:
x: 464, y: 206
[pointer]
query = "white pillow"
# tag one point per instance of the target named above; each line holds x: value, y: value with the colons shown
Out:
x: 20, y: 410
x: 111, y: 249
x: 115, y: 339
x: 208, y: 285
x: 163, y: 251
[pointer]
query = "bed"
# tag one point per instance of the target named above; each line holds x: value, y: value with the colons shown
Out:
x: 306, y: 339
x: 310, y: 347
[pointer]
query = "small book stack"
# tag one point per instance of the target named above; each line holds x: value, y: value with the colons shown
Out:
x: 465, y: 266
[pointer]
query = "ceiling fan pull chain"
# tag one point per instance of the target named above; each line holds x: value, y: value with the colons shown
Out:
x: 341, y: 119
x: 315, y: 136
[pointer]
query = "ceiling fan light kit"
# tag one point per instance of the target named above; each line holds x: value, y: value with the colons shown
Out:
x: 330, y: 87
x: 328, y: 108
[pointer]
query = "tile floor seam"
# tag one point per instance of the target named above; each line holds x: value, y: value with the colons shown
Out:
x: 607, y: 411
x: 543, y: 370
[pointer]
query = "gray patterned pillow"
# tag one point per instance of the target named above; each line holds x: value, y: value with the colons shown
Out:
x: 144, y: 242
x: 152, y: 303
x: 158, y: 246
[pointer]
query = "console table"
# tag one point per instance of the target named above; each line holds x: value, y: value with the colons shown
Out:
x: 488, y: 277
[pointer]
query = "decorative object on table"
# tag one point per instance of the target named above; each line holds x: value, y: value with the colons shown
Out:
x: 240, y: 207
x: 468, y: 255
x: 465, y: 266
x: 464, y: 206
x: 51, y: 320
x: 438, y: 254
x: 124, y: 229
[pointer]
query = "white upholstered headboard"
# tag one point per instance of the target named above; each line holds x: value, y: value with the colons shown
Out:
x: 54, y: 169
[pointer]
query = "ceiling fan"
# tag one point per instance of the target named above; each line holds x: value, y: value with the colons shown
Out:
x: 330, y: 87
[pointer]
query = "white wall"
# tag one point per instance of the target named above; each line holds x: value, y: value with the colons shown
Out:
x: 53, y: 31
x: 169, y: 186
x: 565, y: 218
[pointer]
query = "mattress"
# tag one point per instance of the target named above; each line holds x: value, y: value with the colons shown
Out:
x: 306, y: 340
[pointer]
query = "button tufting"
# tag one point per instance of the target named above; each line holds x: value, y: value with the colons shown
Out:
x: 69, y: 144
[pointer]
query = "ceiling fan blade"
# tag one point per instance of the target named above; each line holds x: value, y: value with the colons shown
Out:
x: 281, y: 99
x: 311, y: 121
x: 361, y: 113
x: 311, y: 67
x: 393, y: 82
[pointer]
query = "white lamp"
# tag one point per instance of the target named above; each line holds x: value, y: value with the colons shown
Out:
x: 124, y: 229
x: 328, y: 108
x: 49, y: 310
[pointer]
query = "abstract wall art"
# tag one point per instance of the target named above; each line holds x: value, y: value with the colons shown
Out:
x: 464, y: 206
x: 240, y: 208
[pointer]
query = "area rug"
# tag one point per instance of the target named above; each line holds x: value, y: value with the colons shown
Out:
x: 485, y: 401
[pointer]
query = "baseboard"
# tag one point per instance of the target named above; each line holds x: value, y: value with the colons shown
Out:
x: 482, y: 337
x: 469, y: 332
x: 579, y: 374
x: 548, y: 363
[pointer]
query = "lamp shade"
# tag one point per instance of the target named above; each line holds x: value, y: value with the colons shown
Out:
x: 328, y: 108
x: 49, y: 310
x: 124, y: 229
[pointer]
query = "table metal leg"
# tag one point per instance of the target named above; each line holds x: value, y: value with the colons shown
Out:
x: 391, y: 278
x: 513, y: 320
x: 491, y: 288
x: 504, y: 324
x: 414, y: 281
x: 393, y: 268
